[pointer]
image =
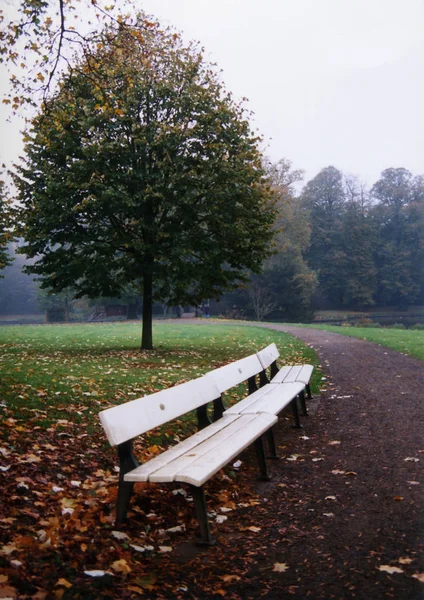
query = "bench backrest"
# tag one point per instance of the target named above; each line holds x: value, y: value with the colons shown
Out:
x: 236, y: 372
x: 268, y: 355
x: 126, y: 421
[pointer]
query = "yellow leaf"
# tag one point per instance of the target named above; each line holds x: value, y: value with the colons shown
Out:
x: 63, y: 582
x: 121, y: 566
x: 40, y: 76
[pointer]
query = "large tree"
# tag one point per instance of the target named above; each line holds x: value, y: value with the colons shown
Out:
x: 287, y: 278
x: 142, y: 169
x: 324, y: 198
x: 399, y: 215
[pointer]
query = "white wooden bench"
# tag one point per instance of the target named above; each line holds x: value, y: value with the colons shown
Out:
x: 267, y: 399
x: 287, y: 374
x: 194, y: 460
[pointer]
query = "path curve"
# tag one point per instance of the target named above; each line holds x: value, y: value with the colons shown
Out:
x: 373, y: 407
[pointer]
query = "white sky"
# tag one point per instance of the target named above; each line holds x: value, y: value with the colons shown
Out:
x: 337, y: 82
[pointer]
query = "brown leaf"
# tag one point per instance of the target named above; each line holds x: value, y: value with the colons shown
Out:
x: 6, y: 591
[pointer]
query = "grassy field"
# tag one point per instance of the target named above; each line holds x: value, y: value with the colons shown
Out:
x: 407, y: 341
x: 53, y: 372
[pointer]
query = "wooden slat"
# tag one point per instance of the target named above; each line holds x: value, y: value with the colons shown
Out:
x: 236, y: 372
x: 294, y: 373
x: 240, y: 406
x: 143, y: 472
x: 236, y: 441
x: 268, y: 355
x: 199, y: 464
x: 133, y: 418
x: 275, y: 398
x: 282, y: 374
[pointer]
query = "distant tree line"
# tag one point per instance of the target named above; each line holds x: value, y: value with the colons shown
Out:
x: 336, y: 245
x: 339, y: 246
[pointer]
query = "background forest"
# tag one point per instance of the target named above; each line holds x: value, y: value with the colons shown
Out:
x: 338, y: 245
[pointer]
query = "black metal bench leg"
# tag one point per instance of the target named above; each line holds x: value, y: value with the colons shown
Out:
x: 202, y: 515
x: 260, y: 454
x: 294, y: 409
x: 125, y: 490
x: 308, y: 391
x: 271, y: 444
x: 303, y: 403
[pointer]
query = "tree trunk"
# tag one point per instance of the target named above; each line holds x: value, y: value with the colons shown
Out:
x: 147, y: 326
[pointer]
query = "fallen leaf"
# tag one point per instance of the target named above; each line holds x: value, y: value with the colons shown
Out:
x: 63, y: 582
x: 177, y: 529
x: 389, y: 569
x: 351, y: 474
x: 254, y: 529
x: 121, y: 566
x: 221, y: 518
x: 406, y: 561
x: 7, y: 591
x: 96, y: 573
x: 164, y: 549
x: 3, y: 578
x: 230, y: 578
x: 419, y: 576
x: 293, y: 457
x: 411, y: 459
x: 120, y: 535
x: 337, y: 472
x: 398, y: 498
x: 280, y: 567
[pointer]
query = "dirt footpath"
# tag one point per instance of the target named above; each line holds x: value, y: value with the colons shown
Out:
x: 358, y: 505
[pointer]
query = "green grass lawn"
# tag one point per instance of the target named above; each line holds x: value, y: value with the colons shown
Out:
x: 71, y: 372
x: 408, y: 341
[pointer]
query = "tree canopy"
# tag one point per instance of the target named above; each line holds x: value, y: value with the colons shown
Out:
x: 142, y: 169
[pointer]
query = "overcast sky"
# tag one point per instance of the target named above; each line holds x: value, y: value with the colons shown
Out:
x: 331, y: 82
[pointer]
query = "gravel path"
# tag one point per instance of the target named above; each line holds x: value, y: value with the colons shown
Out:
x: 360, y: 475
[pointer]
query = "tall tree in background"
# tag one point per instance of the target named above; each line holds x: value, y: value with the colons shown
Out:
x: 359, y: 243
x: 284, y: 289
x: 399, y: 254
x: 325, y: 199
x: 142, y: 169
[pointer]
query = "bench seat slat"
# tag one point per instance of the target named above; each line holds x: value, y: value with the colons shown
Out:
x: 272, y: 400
x: 218, y: 444
x: 300, y: 373
x: 250, y: 427
x: 143, y: 472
